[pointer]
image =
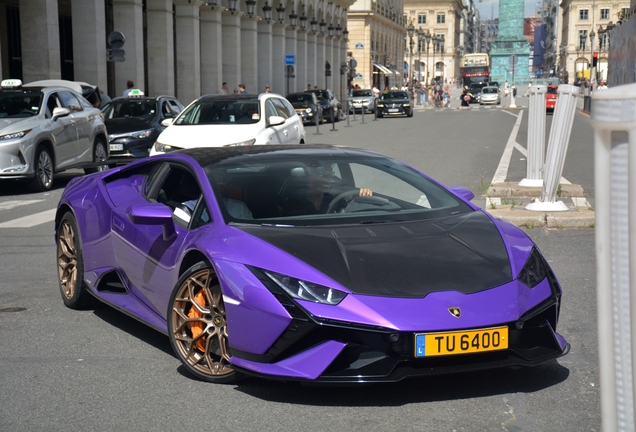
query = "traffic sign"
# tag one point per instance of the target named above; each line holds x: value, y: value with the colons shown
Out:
x: 290, y: 59
x: 513, y: 60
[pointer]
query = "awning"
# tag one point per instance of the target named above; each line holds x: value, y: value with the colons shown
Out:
x: 382, y: 69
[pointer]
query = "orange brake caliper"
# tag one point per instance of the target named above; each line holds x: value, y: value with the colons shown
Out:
x: 197, y: 327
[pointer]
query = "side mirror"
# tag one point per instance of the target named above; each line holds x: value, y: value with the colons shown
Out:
x: 153, y: 214
x: 275, y: 120
x: 462, y: 192
x: 167, y: 122
x: 60, y: 112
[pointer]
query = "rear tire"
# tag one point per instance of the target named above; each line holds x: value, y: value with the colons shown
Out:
x: 99, y: 155
x: 44, y: 170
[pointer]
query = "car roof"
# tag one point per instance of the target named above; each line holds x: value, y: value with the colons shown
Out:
x: 212, y: 155
x: 237, y: 97
x: 73, y: 85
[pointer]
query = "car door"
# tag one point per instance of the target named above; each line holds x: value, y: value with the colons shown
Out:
x: 63, y: 131
x: 81, y: 116
x: 146, y: 256
x: 290, y: 130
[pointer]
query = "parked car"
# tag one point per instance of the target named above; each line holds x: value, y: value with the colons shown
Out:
x: 228, y: 252
x: 329, y: 104
x: 134, y: 123
x: 394, y: 102
x: 475, y: 91
x: 362, y: 100
x: 232, y: 120
x: 47, y: 127
x: 489, y: 95
x: 306, y: 105
x: 551, y: 98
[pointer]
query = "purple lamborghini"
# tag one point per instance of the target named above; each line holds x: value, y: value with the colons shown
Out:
x: 311, y: 263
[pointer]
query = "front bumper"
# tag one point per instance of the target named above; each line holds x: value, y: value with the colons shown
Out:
x: 394, y: 109
x: 128, y: 147
x: 16, y: 158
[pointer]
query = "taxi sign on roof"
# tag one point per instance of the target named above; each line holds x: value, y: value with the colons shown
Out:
x: 11, y: 83
x: 135, y: 92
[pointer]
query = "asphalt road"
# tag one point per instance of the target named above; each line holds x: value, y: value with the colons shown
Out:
x: 99, y: 370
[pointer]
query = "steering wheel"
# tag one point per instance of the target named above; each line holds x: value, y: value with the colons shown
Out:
x: 343, y: 196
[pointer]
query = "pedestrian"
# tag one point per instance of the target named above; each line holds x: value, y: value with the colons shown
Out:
x: 267, y: 90
x: 104, y: 98
x: 528, y: 89
x: 224, y: 90
x: 308, y: 87
x: 447, y: 96
x: 465, y: 98
x: 241, y: 88
x: 506, y: 88
x: 129, y: 86
x: 376, y: 91
x: 602, y: 87
x: 236, y: 91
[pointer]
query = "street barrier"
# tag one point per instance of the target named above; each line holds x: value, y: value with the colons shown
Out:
x: 536, y: 136
x: 614, y: 123
x: 558, y: 142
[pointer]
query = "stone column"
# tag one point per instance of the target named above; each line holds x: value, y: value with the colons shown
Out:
x: 89, y: 43
x: 320, y: 62
x: 290, y: 49
x: 249, y: 48
x: 301, y: 60
x: 40, y: 34
x: 265, y: 50
x: 160, y: 46
x: 188, y: 52
x: 128, y: 19
x: 278, y: 58
x: 231, y: 49
x: 311, y: 60
x: 211, y: 51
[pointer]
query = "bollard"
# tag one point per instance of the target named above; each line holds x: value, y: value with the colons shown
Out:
x: 318, y: 121
x: 349, y: 110
x: 614, y: 123
x: 333, y: 120
x: 362, y: 115
x: 536, y: 136
x: 558, y: 142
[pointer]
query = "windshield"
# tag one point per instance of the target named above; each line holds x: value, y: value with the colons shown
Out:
x: 130, y: 109
x: 19, y: 104
x: 303, y: 98
x: 358, y: 93
x: 489, y: 90
x: 552, y: 89
x: 394, y: 95
x: 244, y: 111
x: 322, y: 94
x: 322, y: 190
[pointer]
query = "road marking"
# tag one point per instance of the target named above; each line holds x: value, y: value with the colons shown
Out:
x: 31, y: 220
x: 504, y: 162
x: 8, y: 205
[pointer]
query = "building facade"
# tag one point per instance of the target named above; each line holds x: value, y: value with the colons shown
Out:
x: 184, y: 48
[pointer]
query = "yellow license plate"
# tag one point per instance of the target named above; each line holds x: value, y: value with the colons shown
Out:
x: 461, y: 342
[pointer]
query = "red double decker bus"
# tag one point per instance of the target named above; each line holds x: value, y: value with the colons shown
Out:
x: 475, y: 68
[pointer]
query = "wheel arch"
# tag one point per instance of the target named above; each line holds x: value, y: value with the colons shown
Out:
x: 191, y: 258
x: 49, y: 146
x: 61, y: 211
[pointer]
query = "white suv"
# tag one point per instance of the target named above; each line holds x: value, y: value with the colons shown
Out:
x: 47, y: 127
x: 233, y: 120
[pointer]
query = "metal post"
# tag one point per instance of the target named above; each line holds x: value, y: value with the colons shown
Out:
x: 614, y: 123
x: 318, y: 121
x: 567, y: 96
x: 348, y: 110
x: 536, y: 136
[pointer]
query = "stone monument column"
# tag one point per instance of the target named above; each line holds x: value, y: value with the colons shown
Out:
x: 40, y: 34
x: 265, y: 49
x: 510, y: 41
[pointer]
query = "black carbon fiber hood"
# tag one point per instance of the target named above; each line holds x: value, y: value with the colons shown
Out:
x: 400, y: 259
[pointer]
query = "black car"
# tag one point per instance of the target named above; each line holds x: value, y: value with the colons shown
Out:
x: 329, y: 104
x: 395, y: 103
x: 134, y: 123
x: 475, y: 91
x: 306, y: 105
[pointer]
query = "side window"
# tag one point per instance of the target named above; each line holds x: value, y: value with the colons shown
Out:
x: 281, y: 108
x: 270, y: 110
x: 70, y: 101
x: 51, y: 104
x: 181, y: 192
x: 290, y: 108
x: 165, y: 109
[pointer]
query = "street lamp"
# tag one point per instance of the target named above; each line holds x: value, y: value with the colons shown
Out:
x: 427, y: 37
x: 292, y: 19
x: 313, y: 23
x: 267, y: 11
x: 411, y: 30
x: 303, y: 21
x: 281, y: 13
x: 231, y: 6
x: 322, y: 24
x: 250, y: 7
x: 592, y: 74
x: 330, y: 30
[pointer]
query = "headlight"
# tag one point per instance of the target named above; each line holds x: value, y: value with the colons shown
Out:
x: 534, y: 270
x: 380, y: 104
x: 308, y: 110
x: 141, y: 134
x: 165, y: 148
x: 15, y: 135
x: 242, y: 143
x: 406, y: 105
x: 304, y: 290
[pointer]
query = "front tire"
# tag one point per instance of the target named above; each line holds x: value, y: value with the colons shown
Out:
x: 197, y: 325
x: 99, y: 155
x: 70, y: 265
x: 44, y: 170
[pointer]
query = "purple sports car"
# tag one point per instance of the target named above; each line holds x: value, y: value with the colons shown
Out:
x: 311, y: 263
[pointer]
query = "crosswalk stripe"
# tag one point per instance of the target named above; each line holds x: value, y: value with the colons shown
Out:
x: 8, y: 205
x: 31, y: 220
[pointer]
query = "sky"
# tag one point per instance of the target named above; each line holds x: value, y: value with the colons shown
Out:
x: 490, y: 8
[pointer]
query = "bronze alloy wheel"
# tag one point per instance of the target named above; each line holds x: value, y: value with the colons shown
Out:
x: 67, y: 260
x: 197, y: 327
